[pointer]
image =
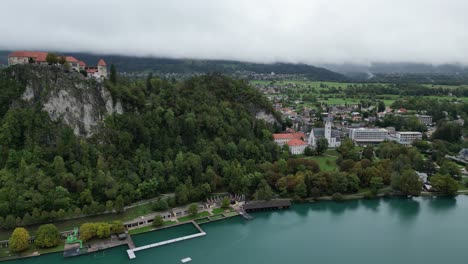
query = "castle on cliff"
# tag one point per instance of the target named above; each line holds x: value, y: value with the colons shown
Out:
x: 40, y: 57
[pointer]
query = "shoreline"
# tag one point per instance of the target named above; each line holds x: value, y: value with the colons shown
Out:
x: 349, y: 197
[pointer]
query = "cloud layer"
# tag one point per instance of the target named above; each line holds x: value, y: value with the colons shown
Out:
x: 306, y: 31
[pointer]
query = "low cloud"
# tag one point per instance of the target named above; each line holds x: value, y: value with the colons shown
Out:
x: 305, y: 31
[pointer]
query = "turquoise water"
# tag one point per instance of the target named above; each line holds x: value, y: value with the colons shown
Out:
x: 420, y: 230
x: 164, y: 234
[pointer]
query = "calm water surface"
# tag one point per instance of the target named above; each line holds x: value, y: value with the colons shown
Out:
x: 420, y: 230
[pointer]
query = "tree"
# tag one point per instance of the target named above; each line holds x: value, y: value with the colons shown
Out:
x: 301, y: 190
x: 19, y: 240
x: 193, y: 210
x: 450, y: 132
x: 103, y: 230
x: 407, y: 182
x: 119, y: 204
x: 87, y: 231
x: 225, y: 203
x: 117, y: 227
x: 376, y: 183
x: 381, y: 106
x: 113, y: 74
x: 308, y: 151
x: 450, y: 168
x: 444, y: 184
x: 368, y: 152
x: 47, y: 236
x: 264, y: 191
x: 158, y: 221
x: 322, y: 145
x: 52, y: 58
x: 61, y: 60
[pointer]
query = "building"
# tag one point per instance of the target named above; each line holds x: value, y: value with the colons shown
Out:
x: 27, y: 57
x: 425, y: 119
x: 283, y: 138
x: 406, y: 138
x: 40, y: 57
x: 332, y: 136
x: 74, y: 63
x: 297, y: 146
x: 364, y: 136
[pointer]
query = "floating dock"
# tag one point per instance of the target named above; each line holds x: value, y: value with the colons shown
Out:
x: 131, y: 251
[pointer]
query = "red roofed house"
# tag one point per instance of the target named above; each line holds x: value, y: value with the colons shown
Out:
x: 293, y: 140
x: 27, y: 57
x: 283, y: 138
x: 74, y: 63
x: 297, y: 146
x: 82, y: 65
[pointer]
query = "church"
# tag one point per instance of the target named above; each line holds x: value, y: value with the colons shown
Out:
x: 332, y: 135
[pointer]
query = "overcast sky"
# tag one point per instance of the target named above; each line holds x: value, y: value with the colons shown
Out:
x: 307, y: 31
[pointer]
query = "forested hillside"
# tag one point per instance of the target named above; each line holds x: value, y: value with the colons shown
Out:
x: 191, y: 137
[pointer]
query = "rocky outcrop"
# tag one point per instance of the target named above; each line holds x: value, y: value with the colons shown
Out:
x: 267, y: 117
x: 68, y: 96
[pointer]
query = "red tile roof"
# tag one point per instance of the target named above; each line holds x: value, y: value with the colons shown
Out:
x: 91, y: 70
x: 102, y: 63
x: 39, y: 56
x: 82, y: 64
x: 296, y: 142
x: 297, y: 135
x: 71, y: 59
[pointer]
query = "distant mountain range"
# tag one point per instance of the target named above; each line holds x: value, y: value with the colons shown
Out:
x: 164, y: 65
x: 376, y: 72
x: 397, y: 68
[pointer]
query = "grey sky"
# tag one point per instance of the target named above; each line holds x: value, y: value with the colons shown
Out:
x: 308, y: 31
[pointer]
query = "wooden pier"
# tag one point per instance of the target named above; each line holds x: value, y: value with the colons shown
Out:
x: 131, y: 251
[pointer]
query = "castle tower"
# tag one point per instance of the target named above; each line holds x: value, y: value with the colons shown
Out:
x: 102, y: 68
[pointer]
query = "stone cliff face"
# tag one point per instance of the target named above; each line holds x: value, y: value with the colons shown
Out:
x: 79, y: 102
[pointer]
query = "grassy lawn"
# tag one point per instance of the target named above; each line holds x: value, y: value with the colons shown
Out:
x: 230, y: 214
x: 5, y: 252
x: 140, y: 230
x: 217, y: 217
x: 137, y: 211
x: 148, y: 228
x: 221, y: 210
x: 327, y: 161
x: 188, y: 217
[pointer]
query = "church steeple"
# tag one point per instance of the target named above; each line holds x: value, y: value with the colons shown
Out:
x: 328, y: 128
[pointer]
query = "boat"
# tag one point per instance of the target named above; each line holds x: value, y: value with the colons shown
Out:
x: 185, y: 260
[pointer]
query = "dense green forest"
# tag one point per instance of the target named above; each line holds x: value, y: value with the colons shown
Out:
x: 191, y: 137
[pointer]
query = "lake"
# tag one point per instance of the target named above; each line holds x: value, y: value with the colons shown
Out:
x: 389, y: 230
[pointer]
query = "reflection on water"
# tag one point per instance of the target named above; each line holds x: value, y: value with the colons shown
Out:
x: 372, y: 204
x: 406, y: 208
x: 442, y: 203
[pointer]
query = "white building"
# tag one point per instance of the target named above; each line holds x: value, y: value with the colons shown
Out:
x: 425, y: 119
x: 297, y: 146
x: 332, y: 136
x: 406, y: 138
x: 363, y: 136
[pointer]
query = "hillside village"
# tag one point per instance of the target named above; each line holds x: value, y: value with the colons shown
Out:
x: 45, y: 58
